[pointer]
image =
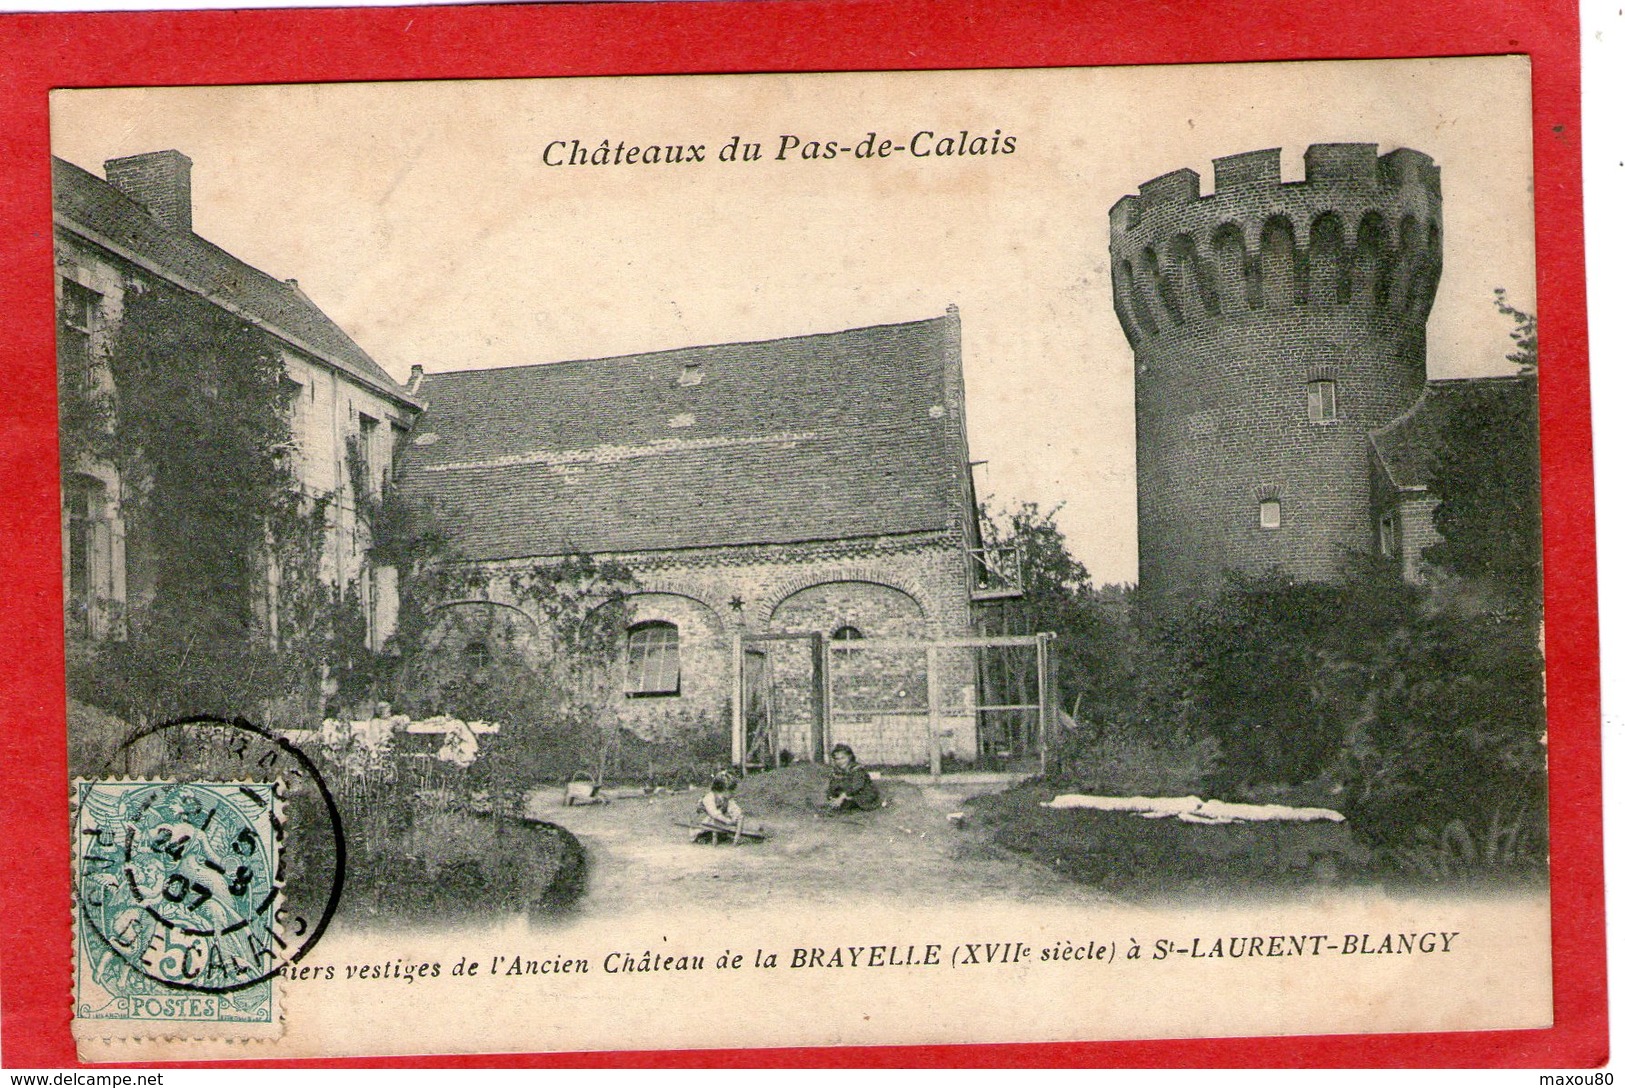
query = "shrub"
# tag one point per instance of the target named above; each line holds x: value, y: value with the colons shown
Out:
x: 428, y: 841
x: 683, y: 748
x: 1458, y: 850
x: 1417, y: 711
x: 1455, y: 733
x: 1121, y: 760
x: 1278, y: 671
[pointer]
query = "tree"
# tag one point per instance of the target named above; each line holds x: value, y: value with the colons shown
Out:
x: 1057, y: 597
x: 1487, y: 478
x: 1454, y: 731
x: 409, y: 538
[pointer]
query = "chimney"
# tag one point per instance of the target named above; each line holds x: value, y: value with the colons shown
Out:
x: 159, y: 181
x: 416, y: 380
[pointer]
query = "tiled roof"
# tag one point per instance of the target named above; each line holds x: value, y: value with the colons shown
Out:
x: 83, y: 199
x: 825, y: 437
x: 1406, y: 446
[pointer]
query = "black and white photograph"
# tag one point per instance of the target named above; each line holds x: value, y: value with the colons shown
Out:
x: 789, y: 560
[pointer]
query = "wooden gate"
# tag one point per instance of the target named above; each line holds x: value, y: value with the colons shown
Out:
x: 757, y: 739
x: 987, y: 701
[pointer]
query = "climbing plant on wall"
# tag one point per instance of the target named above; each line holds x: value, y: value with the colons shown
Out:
x: 226, y: 608
x: 409, y: 539
x: 535, y: 648
x: 84, y: 407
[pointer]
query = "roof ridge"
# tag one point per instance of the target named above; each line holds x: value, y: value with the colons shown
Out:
x: 1404, y: 417
x: 169, y: 252
x: 606, y: 452
x: 292, y: 294
x: 429, y: 374
x: 1479, y: 380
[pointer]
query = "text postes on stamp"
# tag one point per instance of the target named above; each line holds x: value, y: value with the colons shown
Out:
x: 207, y: 860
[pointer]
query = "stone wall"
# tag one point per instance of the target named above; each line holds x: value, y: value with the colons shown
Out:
x: 899, y: 587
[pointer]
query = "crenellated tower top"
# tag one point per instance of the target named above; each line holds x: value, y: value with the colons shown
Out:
x: 1361, y: 230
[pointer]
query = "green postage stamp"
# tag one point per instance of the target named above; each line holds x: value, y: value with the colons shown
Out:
x: 177, y: 889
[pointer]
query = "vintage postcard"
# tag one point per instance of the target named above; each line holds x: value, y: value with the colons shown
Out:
x: 802, y: 559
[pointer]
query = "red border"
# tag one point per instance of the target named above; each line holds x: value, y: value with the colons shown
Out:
x: 45, y: 51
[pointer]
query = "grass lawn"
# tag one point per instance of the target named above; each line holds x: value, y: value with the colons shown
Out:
x: 1130, y: 856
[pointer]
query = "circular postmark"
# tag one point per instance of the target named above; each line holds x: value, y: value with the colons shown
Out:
x: 209, y: 856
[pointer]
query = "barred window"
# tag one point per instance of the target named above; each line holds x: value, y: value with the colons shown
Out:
x: 653, y: 664
x: 1322, y: 401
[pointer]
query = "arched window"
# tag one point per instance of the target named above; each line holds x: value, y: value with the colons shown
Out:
x: 653, y: 664
x: 846, y: 633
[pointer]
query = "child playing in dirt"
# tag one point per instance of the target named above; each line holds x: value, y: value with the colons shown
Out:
x: 721, y: 818
x: 850, y: 787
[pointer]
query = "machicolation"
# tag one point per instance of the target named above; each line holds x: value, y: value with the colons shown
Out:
x: 1273, y: 324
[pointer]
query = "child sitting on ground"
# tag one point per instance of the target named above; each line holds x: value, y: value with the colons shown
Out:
x: 850, y: 787
x: 721, y: 818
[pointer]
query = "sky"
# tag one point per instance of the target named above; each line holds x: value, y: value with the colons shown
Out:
x: 426, y: 220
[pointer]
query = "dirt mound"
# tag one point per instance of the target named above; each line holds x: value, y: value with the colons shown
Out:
x: 798, y: 786
x: 801, y: 787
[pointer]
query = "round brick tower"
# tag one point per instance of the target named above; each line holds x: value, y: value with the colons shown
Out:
x: 1273, y: 325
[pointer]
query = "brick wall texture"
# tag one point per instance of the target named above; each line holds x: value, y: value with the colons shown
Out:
x: 160, y: 181
x: 1234, y: 303
x: 894, y: 587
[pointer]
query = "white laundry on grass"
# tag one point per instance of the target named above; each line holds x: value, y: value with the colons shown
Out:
x: 1192, y: 809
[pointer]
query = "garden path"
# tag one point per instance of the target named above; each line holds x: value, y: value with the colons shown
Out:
x: 909, y: 851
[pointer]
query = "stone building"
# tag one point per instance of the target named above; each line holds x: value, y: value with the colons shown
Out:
x: 134, y: 230
x: 767, y: 497
x: 1275, y: 327
x: 771, y: 499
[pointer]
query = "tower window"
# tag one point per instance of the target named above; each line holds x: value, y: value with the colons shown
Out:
x: 1387, y: 535
x: 846, y: 633
x: 1322, y: 401
x: 1269, y: 513
x: 653, y: 664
